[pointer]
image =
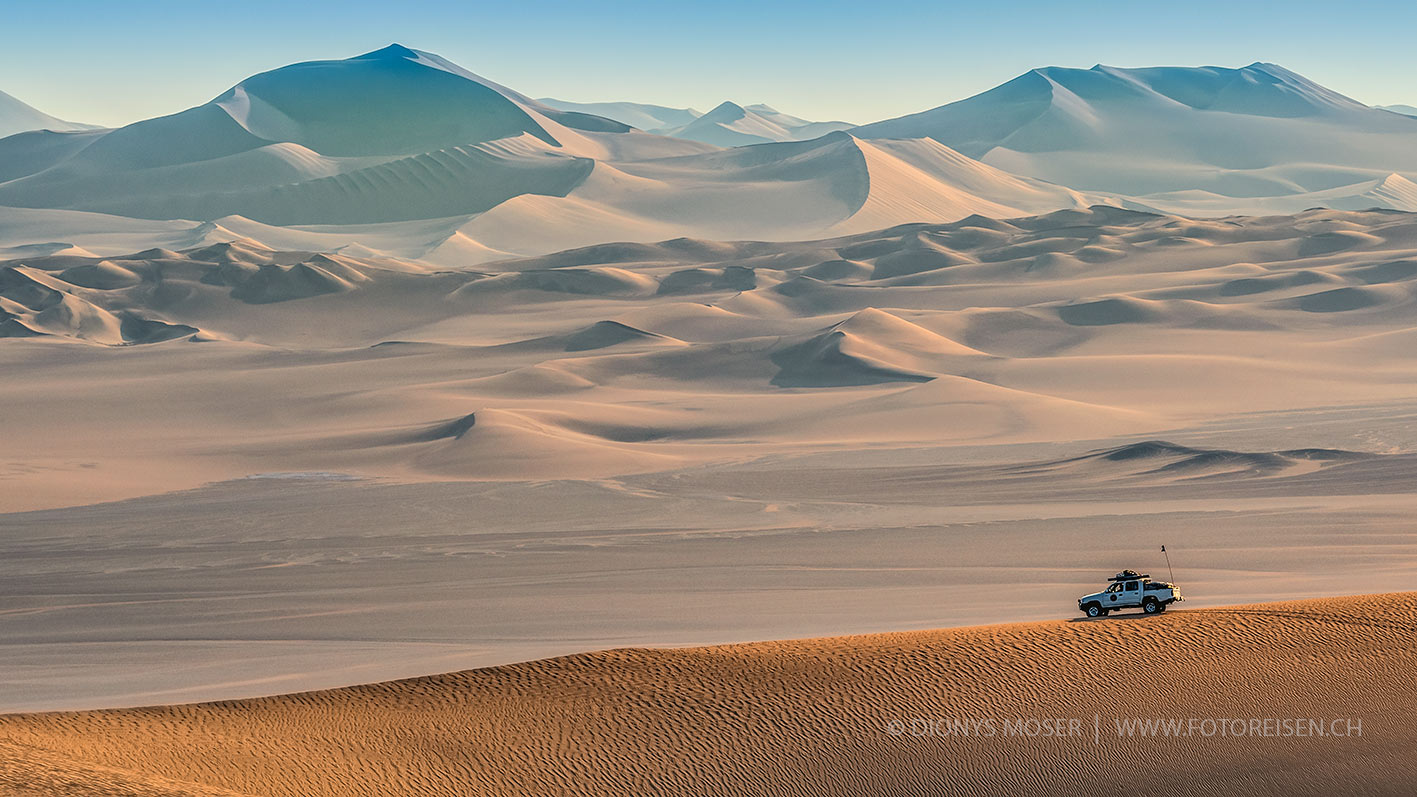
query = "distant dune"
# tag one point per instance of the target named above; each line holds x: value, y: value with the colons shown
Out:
x: 380, y: 150
x: 733, y: 125
x: 401, y: 153
x: 1079, y: 324
x: 865, y: 715
x: 17, y: 117
x: 635, y: 114
x: 1207, y: 140
x: 728, y: 124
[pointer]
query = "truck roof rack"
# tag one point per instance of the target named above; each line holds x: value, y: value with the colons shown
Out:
x: 1128, y: 575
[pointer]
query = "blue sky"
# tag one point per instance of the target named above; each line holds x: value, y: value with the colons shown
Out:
x: 115, y: 62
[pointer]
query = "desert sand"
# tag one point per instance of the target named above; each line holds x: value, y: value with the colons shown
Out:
x: 845, y: 715
x: 373, y: 368
x: 233, y: 471
x: 1094, y: 325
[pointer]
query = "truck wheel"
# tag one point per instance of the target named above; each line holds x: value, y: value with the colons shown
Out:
x: 1160, y: 607
x: 1151, y: 606
x: 1094, y: 610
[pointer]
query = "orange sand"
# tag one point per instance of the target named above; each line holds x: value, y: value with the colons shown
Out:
x: 800, y: 717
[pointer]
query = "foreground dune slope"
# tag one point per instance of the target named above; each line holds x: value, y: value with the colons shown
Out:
x: 801, y: 717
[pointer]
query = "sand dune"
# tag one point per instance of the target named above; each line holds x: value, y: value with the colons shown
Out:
x: 17, y: 117
x: 858, y: 715
x: 390, y: 135
x: 402, y: 153
x: 831, y: 185
x: 1100, y: 317
x: 727, y: 125
x: 733, y: 125
x: 869, y: 347
x: 644, y: 116
x: 1199, y: 140
x: 1158, y: 460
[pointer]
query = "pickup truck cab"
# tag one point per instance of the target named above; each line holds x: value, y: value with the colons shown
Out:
x: 1130, y: 590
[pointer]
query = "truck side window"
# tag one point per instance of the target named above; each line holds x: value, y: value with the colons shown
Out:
x: 1117, y: 587
x: 1131, y: 586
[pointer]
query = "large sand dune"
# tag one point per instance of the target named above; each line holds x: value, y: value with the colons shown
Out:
x: 404, y: 153
x: 1200, y: 140
x: 859, y: 715
x: 17, y: 117
x: 401, y: 153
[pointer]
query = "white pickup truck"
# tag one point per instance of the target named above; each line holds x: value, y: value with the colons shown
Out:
x: 1131, y: 590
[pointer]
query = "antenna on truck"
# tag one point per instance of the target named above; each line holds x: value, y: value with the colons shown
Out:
x: 1168, y: 565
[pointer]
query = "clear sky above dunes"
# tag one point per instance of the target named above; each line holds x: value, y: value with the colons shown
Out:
x: 111, y: 63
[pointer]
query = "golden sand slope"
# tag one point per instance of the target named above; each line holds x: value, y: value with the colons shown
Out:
x: 800, y: 717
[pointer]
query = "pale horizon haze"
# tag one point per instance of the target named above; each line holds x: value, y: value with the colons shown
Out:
x: 823, y: 60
